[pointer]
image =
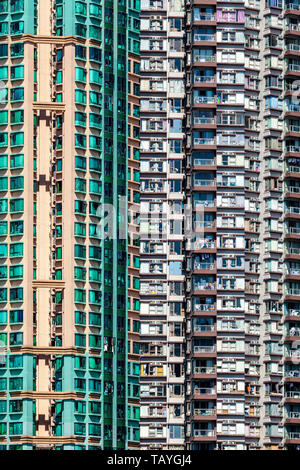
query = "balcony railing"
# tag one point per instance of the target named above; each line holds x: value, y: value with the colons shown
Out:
x: 204, y: 391
x: 205, y: 266
x: 293, y: 291
x: 205, y: 203
x: 204, y: 349
x: 292, y: 373
x: 292, y: 47
x: 293, y: 169
x: 204, y: 17
x: 200, y: 141
x: 292, y: 435
x: 204, y: 224
x: 293, y: 230
x: 292, y: 394
x: 204, y: 99
x: 204, y: 37
x: 293, y: 189
x: 292, y: 129
x: 206, y: 182
x: 292, y: 107
x: 203, y: 328
x: 203, y: 162
x: 292, y: 6
x: 199, y: 244
x: 204, y: 433
x: 204, y: 120
x: 204, y: 412
x: 208, y: 286
x: 293, y: 312
x: 293, y: 415
x: 200, y: 58
x: 292, y: 27
x: 206, y: 307
x: 293, y: 67
x: 203, y: 79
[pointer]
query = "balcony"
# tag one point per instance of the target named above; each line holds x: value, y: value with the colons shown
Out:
x: 292, y: 6
x: 203, y: 328
x: 293, y: 415
x: 293, y: 230
x: 293, y: 169
x: 292, y: 313
x: 204, y: 37
x: 204, y: 17
x: 207, y: 286
x: 204, y: 162
x: 293, y: 68
x: 292, y: 374
x: 204, y: 244
x: 204, y: 370
x: 204, y: 59
x: 294, y: 395
x: 204, y: 412
x: 204, y: 120
x: 207, y: 182
x: 292, y: 291
x: 292, y: 129
x: 206, y: 308
x: 204, y: 433
x: 198, y: 141
x: 293, y: 189
x: 204, y: 79
x: 204, y: 349
x: 205, y: 204
x: 292, y: 47
x: 204, y: 100
x: 208, y: 224
x: 292, y: 435
x: 204, y: 391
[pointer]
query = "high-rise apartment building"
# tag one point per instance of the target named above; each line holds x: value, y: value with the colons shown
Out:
x: 158, y: 311
x: 69, y: 299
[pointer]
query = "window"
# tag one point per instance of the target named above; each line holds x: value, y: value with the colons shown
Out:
x: 80, y: 74
x: 16, y: 316
x: 16, y: 183
x: 3, y: 51
x: 16, y: 205
x: 17, y: 94
x: 17, y: 72
x: 3, y: 183
x: 16, y: 227
x: 80, y: 341
x: 16, y: 294
x: 17, y: 161
x: 3, y: 72
x: 16, y: 49
x: 79, y: 296
x: 80, y: 52
x: 17, y: 117
x: 95, y: 54
x: 16, y: 272
x: 16, y: 249
x: 16, y: 139
x: 16, y: 339
x: 80, y: 97
x: 3, y: 162
x: 3, y: 139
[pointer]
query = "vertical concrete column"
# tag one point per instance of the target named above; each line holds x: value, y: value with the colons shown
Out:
x: 44, y: 147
